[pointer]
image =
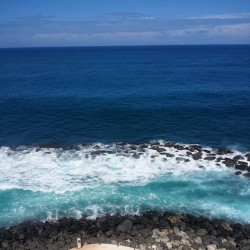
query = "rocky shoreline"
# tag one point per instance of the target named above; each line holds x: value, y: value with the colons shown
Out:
x: 152, y: 230
x: 180, y: 153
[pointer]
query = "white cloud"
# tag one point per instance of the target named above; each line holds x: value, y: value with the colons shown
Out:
x: 222, y: 16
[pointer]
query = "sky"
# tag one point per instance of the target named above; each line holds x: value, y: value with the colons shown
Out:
x: 49, y: 23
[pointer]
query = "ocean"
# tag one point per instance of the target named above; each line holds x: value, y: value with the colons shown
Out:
x: 77, y: 127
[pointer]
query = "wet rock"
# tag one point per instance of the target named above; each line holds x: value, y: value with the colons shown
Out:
x: 248, y: 156
x: 206, y: 151
x: 209, y: 158
x: 49, y: 145
x: 125, y: 226
x: 179, y: 147
x: 223, y: 151
x: 238, y: 157
x: 243, y: 163
x: 169, y: 144
x: 197, y: 156
x: 169, y: 155
x: 180, y: 159
x: 193, y: 148
x: 160, y: 150
x: 237, y: 173
x: 154, y: 147
x: 241, y: 167
x: 229, y: 162
x: 136, y: 156
x: 133, y: 147
x: 219, y: 159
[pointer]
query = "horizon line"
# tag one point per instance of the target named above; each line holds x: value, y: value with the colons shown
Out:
x: 150, y: 45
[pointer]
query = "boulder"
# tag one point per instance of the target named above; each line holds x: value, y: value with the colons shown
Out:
x: 198, y: 240
x: 125, y: 226
x: 197, y: 156
x: 241, y: 167
x: 238, y: 157
x: 237, y: 173
x: 248, y: 156
x: 243, y: 163
x: 179, y: 147
x: 223, y: 151
x: 211, y: 247
x: 136, y: 156
x: 195, y: 147
x: 160, y: 150
x: 201, y: 232
x: 169, y: 155
x: 206, y: 151
x: 209, y: 158
x: 229, y: 162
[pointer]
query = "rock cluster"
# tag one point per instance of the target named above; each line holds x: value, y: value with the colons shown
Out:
x: 151, y: 230
x: 161, y: 150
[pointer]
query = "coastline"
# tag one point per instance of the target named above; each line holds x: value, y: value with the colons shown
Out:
x: 163, y: 231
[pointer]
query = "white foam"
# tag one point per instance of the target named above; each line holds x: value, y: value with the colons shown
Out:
x: 58, y: 170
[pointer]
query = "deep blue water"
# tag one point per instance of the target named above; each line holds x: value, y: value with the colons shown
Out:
x: 105, y: 95
x: 190, y: 94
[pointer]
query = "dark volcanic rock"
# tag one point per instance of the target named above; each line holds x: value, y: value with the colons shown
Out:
x: 237, y: 173
x: 136, y: 156
x: 180, y: 159
x: 223, y: 151
x: 179, y: 147
x: 238, y: 157
x: 197, y: 156
x: 229, y: 162
x: 192, y: 148
x: 151, y: 228
x: 209, y: 158
x: 125, y: 226
x: 247, y: 175
x: 248, y: 156
x: 169, y: 144
x: 206, y: 151
x: 160, y: 150
x: 241, y: 167
x: 169, y: 155
x: 243, y: 163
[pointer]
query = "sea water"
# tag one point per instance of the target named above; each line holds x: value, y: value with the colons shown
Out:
x: 63, y: 97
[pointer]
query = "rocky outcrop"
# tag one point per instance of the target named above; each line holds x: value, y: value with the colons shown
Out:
x: 163, y: 231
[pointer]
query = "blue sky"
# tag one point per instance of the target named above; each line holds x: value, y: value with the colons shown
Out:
x: 123, y: 22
